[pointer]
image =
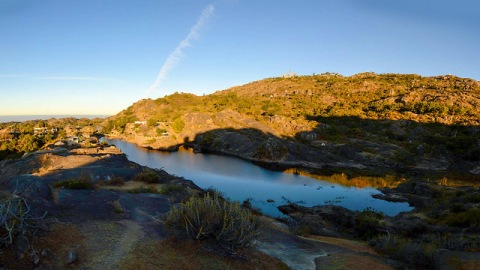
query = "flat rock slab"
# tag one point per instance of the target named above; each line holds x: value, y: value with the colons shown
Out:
x: 86, y: 204
x: 112, y: 205
x: 144, y: 207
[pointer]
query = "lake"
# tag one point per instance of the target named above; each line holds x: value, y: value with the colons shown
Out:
x: 240, y: 180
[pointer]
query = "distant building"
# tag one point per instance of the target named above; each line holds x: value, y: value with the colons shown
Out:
x: 59, y: 144
x: 72, y: 141
x: 140, y: 122
x: 40, y: 130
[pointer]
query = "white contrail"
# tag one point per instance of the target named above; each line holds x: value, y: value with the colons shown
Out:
x: 175, y: 57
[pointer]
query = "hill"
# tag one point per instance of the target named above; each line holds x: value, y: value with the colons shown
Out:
x: 366, y: 122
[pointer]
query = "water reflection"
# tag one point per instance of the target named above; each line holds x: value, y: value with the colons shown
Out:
x: 240, y: 180
x: 388, y: 181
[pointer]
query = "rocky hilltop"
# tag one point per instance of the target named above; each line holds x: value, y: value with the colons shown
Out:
x: 366, y: 123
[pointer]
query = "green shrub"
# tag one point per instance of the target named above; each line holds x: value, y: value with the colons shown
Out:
x: 413, y: 253
x: 116, y: 181
x: 160, y: 131
x: 178, y: 125
x: 474, y: 198
x: 171, y: 188
x: 75, y: 183
x: 457, y: 208
x: 227, y: 224
x: 151, y: 141
x: 148, y: 176
x: 369, y: 223
x: 140, y: 190
x: 212, y: 192
x: 469, y: 218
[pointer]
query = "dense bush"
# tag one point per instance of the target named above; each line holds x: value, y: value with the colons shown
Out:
x: 369, y: 223
x: 117, y: 181
x: 24, y: 143
x: 178, y: 125
x: 148, y: 176
x: 75, y: 183
x: 171, y: 188
x: 468, y: 218
x: 120, y: 122
x: 140, y: 190
x: 227, y: 224
x: 413, y: 253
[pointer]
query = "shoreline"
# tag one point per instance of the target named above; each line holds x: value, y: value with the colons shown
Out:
x: 346, y: 167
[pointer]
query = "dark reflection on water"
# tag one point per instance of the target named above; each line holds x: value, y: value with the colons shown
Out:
x: 240, y: 180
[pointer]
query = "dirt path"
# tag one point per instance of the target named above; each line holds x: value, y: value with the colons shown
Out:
x: 107, y: 243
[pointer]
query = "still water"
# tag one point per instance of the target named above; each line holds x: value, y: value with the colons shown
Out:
x: 240, y: 180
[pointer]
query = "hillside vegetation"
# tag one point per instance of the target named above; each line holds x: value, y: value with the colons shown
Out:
x: 386, y: 120
x: 18, y: 138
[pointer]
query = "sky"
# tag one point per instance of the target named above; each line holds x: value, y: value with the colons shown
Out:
x: 98, y: 57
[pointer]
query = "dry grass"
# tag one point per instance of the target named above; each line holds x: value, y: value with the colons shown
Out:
x: 172, y: 254
x: 457, y: 264
x: 470, y: 265
x: 356, y: 246
x: 131, y: 186
x: 352, y: 261
x: 58, y: 242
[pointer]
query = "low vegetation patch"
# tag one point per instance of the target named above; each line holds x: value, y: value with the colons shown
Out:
x: 369, y: 223
x: 114, y: 181
x: 411, y: 251
x: 75, y: 183
x: 464, y: 219
x: 117, y: 181
x: 144, y: 189
x: 227, y: 224
x: 147, y: 176
x: 171, y: 188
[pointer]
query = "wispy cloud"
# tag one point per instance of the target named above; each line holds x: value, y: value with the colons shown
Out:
x: 177, y: 54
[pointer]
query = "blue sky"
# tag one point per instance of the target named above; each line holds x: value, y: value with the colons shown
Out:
x: 100, y: 56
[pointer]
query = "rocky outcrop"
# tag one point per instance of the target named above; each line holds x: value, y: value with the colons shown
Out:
x: 32, y: 179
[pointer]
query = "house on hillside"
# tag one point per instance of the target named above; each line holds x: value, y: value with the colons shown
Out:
x: 59, y: 144
x: 39, y: 130
x: 72, y: 141
x: 140, y: 122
